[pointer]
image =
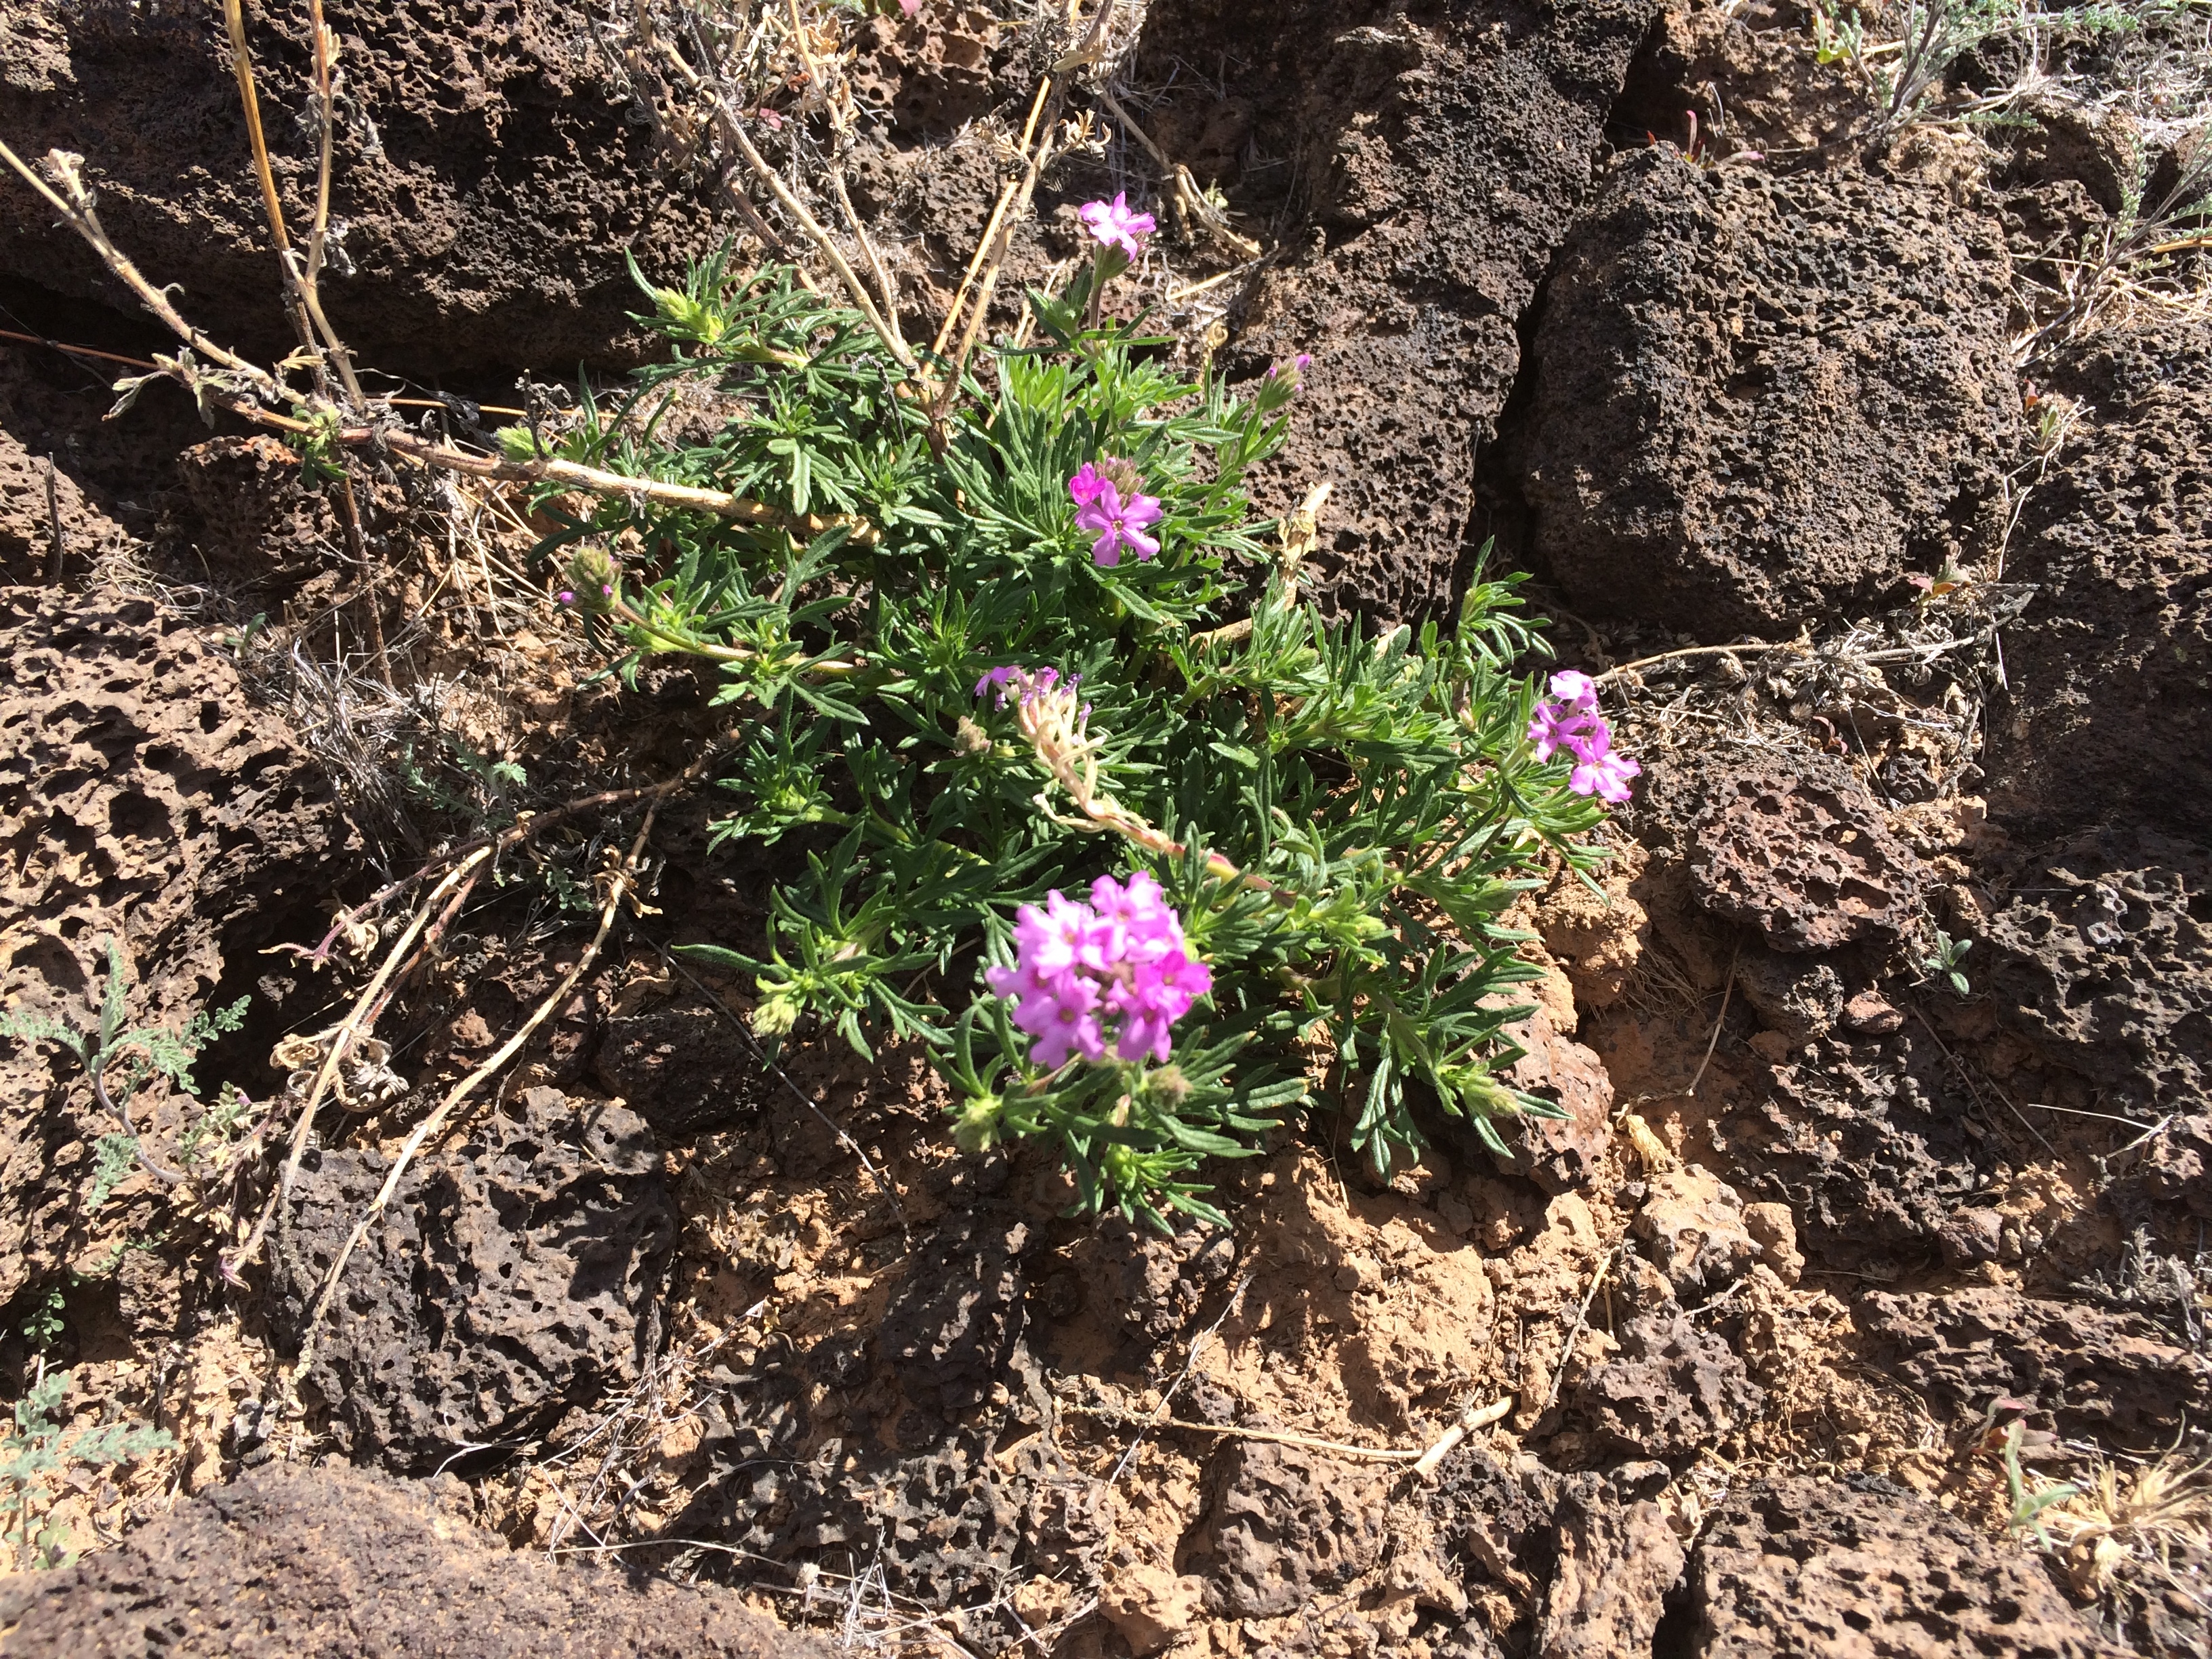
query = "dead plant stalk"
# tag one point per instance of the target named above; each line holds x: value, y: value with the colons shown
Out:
x: 620, y: 884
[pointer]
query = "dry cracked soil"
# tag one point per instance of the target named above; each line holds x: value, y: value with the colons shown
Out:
x: 1846, y: 1311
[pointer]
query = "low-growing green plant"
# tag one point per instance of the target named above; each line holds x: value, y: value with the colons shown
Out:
x: 33, y: 1449
x: 1942, y: 963
x: 120, y: 1061
x: 1021, y: 643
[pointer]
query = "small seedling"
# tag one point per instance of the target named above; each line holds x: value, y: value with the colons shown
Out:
x: 1943, y: 963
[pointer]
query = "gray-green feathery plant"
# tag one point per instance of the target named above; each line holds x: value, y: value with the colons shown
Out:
x: 32, y: 1450
x: 1009, y: 646
x: 120, y: 1061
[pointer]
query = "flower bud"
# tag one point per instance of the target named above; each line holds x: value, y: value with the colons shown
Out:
x: 1168, y: 1086
x: 593, y: 580
x: 976, y: 1125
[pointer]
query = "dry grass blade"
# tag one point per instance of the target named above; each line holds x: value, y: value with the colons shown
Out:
x: 2147, y: 1517
x: 342, y: 1040
x: 620, y: 883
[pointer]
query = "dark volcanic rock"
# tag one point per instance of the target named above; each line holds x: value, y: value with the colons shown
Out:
x: 1799, y: 1567
x: 1287, y: 1525
x: 488, y: 173
x: 26, y: 518
x: 1446, y: 150
x: 1674, y: 1388
x: 1616, y: 1564
x: 512, y: 1277
x: 2103, y: 959
x: 2110, y: 666
x: 953, y: 1322
x: 1871, y: 1142
x: 685, y: 1069
x: 1793, y: 845
x: 2099, y: 1371
x: 333, y: 1563
x: 142, y: 798
x: 1760, y: 399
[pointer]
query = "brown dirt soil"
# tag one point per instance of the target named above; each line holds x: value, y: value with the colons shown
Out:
x: 1817, y: 1234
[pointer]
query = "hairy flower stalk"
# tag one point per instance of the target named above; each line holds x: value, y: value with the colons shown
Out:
x: 1050, y: 713
x: 1120, y: 233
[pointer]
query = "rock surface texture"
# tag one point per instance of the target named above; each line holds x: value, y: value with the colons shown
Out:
x: 1448, y: 149
x: 332, y: 1563
x: 1793, y: 845
x: 487, y: 174
x: 2112, y: 665
x: 512, y: 1277
x: 144, y: 798
x: 2103, y: 1373
x: 1760, y: 400
x: 1798, y: 1566
x: 2103, y: 959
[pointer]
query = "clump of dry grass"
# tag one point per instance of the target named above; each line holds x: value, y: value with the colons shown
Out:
x: 2132, y: 1532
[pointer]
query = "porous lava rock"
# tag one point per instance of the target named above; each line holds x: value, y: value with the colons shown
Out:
x: 1559, y: 1154
x: 29, y: 519
x: 2102, y: 957
x: 953, y: 1322
x: 489, y: 174
x: 295, y: 1562
x: 2111, y: 665
x: 1761, y: 398
x: 1287, y: 1525
x: 1871, y: 1143
x: 1616, y: 1562
x: 1799, y: 1567
x: 1447, y: 149
x: 514, y: 1276
x: 1792, y: 844
x: 2176, y: 1168
x: 687, y: 1068
x: 2102, y: 1371
x: 143, y: 799
x: 1693, y: 1223
x: 1671, y: 1388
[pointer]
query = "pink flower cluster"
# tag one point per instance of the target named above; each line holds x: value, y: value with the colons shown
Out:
x: 1569, y: 719
x: 1100, y: 509
x: 1120, y: 957
x: 1114, y: 225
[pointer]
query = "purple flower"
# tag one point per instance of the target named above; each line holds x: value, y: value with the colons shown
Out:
x: 1576, y: 690
x: 1084, y: 486
x: 1019, y: 684
x: 1115, y: 226
x: 1116, y: 525
x: 1569, y: 719
x: 1598, y: 771
x: 566, y: 596
x: 1120, y: 958
x: 1559, y: 725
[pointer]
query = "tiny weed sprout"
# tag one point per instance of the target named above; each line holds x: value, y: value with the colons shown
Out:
x: 1079, y: 793
x: 1942, y: 963
x: 36, y: 1450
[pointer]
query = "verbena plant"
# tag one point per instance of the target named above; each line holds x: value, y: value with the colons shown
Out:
x: 1339, y: 819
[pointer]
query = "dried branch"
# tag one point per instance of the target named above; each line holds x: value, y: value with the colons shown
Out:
x: 619, y: 882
